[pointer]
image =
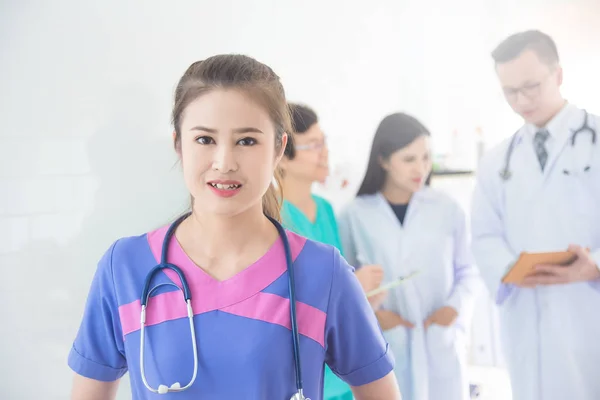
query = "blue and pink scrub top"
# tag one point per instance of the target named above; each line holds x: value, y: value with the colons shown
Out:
x: 242, y: 324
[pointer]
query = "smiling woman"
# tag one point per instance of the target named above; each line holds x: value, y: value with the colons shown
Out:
x: 249, y: 285
x: 249, y: 113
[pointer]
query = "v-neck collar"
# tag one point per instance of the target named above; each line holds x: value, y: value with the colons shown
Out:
x: 243, y: 285
x: 299, y: 211
x: 413, y: 204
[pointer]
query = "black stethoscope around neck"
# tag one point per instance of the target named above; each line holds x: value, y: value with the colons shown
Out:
x: 187, y: 295
x: 506, y: 173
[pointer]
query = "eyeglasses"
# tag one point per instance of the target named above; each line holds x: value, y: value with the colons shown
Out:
x: 312, y: 146
x: 531, y: 90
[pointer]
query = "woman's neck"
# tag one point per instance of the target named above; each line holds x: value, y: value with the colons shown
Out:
x: 396, y: 195
x: 225, y: 245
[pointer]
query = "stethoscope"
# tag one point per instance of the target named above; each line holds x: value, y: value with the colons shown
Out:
x: 506, y: 173
x: 187, y: 295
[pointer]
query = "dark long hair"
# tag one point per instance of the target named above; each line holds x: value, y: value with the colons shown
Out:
x: 303, y: 118
x: 394, y: 132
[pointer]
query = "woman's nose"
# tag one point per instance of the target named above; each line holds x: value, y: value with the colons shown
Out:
x: 224, y: 159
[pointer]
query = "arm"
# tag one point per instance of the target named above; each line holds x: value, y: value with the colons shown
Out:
x: 355, y: 349
x: 91, y: 389
x: 384, y: 388
x: 596, y: 258
x: 595, y: 283
x: 466, y: 277
x: 369, y: 276
x: 346, y: 238
x: 388, y: 320
x: 492, y: 253
x: 97, y: 356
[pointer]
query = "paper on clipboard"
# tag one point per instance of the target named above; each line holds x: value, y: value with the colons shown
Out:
x: 527, y: 261
x: 392, y: 284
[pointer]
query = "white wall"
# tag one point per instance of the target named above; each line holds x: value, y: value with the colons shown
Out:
x: 85, y: 152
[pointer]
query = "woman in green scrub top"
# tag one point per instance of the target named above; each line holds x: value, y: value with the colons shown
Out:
x: 306, y: 162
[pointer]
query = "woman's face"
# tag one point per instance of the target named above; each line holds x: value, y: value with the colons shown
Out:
x: 228, y: 152
x: 311, y: 163
x: 408, y: 168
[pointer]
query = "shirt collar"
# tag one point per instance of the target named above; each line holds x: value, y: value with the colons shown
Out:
x: 558, y: 126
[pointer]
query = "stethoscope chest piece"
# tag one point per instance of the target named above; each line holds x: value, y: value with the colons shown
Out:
x: 505, y: 174
x: 299, y: 396
x: 187, y: 295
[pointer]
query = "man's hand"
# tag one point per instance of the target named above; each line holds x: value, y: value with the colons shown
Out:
x: 389, y: 319
x: 370, y: 277
x: 444, y: 316
x: 583, y: 269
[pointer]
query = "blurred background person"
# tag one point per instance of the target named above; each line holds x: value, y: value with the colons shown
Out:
x: 305, y: 162
x: 399, y: 222
x: 538, y: 191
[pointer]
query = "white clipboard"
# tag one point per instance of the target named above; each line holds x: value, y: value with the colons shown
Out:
x: 392, y: 284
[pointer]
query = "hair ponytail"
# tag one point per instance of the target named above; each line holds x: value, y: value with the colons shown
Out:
x: 272, y: 199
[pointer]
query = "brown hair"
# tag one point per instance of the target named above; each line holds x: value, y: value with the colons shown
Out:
x: 511, y: 47
x: 239, y: 72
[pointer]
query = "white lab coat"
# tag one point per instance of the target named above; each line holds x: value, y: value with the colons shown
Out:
x: 429, y: 364
x: 550, y: 334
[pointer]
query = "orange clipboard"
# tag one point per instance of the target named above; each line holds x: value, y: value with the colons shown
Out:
x: 527, y: 261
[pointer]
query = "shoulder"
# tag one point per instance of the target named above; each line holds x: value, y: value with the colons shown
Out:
x: 443, y: 202
x: 325, y: 266
x: 360, y: 204
x: 323, y: 204
x: 317, y: 261
x: 439, y: 198
x: 122, y: 249
x: 321, y: 201
x: 595, y: 121
x: 130, y: 248
x: 129, y: 259
x: 320, y: 258
x: 316, y: 265
x: 493, y: 160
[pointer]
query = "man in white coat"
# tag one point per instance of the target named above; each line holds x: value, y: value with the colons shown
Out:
x: 539, y: 191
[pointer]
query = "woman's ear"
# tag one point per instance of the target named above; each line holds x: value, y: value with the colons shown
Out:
x: 383, y: 163
x: 280, y: 154
x: 284, y: 141
x: 176, y: 144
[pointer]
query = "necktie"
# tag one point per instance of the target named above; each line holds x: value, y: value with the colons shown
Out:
x: 539, y: 141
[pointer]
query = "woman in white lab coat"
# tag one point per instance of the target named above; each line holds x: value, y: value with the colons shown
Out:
x: 399, y: 222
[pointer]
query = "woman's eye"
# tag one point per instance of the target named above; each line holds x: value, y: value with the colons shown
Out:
x: 247, y: 141
x: 205, y: 140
